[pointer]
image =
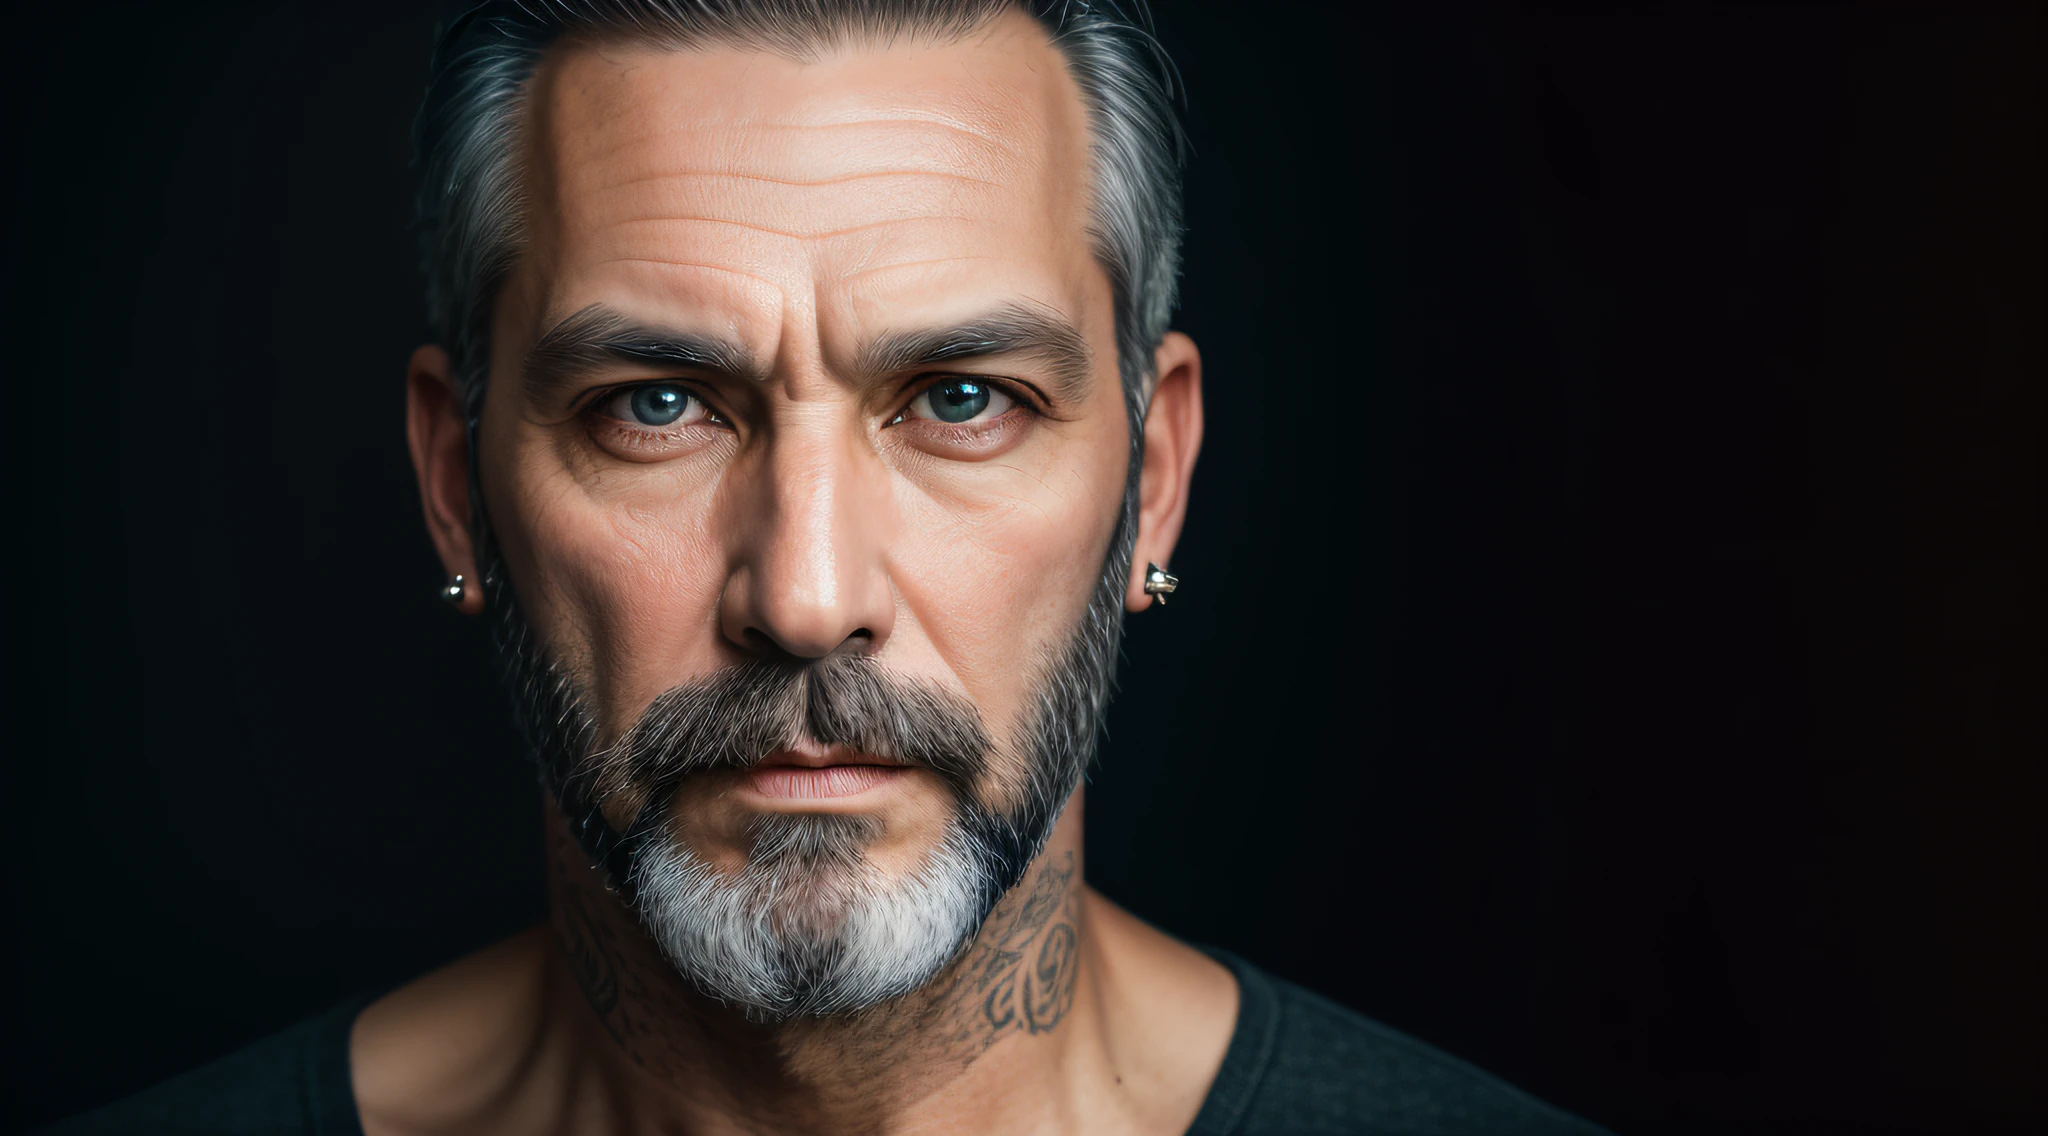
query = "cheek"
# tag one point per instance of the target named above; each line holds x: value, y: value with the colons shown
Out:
x: 997, y: 573
x: 620, y: 582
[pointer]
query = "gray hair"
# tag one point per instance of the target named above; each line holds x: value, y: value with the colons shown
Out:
x: 847, y: 937
x: 471, y: 208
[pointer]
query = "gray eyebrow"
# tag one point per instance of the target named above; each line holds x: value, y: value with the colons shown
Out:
x: 1016, y: 329
x: 598, y: 334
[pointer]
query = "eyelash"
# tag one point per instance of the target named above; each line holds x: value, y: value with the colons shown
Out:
x: 1021, y: 396
x: 592, y: 405
x: 634, y: 440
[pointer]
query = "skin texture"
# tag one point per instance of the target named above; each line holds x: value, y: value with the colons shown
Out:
x: 802, y: 212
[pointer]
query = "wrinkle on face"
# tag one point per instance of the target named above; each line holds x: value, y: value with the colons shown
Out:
x: 805, y: 183
x: 805, y: 209
x: 851, y: 275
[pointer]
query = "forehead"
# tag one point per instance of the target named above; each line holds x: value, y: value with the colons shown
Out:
x: 762, y: 191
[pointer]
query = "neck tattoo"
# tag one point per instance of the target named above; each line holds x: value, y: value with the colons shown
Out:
x: 1018, y: 976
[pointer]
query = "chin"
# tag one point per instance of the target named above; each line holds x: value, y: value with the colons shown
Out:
x: 810, y: 926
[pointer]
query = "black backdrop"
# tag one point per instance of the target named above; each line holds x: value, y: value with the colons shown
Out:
x: 1610, y: 641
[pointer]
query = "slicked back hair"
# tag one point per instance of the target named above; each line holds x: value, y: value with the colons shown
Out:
x: 471, y: 206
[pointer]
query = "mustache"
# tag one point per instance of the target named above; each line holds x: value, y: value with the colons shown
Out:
x: 735, y: 718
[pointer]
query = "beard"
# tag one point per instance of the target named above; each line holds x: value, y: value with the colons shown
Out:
x: 809, y: 926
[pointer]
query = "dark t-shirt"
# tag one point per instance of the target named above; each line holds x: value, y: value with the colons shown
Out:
x: 1297, y: 1064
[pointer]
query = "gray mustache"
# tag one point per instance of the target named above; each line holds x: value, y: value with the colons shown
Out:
x: 734, y: 718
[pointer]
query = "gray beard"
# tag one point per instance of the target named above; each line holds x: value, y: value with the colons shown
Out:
x: 810, y: 927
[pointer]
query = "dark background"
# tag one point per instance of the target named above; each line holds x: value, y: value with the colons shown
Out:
x: 1610, y: 641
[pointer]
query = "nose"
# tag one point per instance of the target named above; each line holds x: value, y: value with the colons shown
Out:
x: 810, y: 576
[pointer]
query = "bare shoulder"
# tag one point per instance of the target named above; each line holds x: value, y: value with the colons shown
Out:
x: 455, y: 1046
x: 1171, y: 1010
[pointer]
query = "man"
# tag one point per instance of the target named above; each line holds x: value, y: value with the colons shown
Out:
x: 804, y: 420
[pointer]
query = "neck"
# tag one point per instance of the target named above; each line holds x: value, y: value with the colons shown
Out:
x: 1004, y: 1022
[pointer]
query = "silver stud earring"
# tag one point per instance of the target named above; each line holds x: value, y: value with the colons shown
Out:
x: 454, y: 591
x: 1158, y: 584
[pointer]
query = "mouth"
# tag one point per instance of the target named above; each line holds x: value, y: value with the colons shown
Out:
x: 815, y: 773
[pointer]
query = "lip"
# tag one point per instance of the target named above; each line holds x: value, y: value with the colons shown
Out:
x: 811, y: 756
x: 818, y: 783
x: 811, y: 772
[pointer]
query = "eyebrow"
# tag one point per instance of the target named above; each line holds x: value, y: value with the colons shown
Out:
x: 1015, y: 329
x: 598, y: 334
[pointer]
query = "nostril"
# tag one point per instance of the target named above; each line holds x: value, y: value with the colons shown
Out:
x: 765, y: 646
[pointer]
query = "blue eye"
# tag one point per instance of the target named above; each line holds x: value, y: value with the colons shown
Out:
x: 658, y: 405
x: 958, y: 401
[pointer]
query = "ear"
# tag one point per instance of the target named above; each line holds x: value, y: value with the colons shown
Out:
x: 439, y: 437
x: 1173, y: 435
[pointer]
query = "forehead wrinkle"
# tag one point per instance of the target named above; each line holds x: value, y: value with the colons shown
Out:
x: 701, y: 123
x: 952, y: 125
x: 853, y: 274
x: 792, y: 235
x: 628, y: 110
x: 1001, y: 131
x: 736, y: 142
x: 800, y: 212
x: 592, y: 126
x: 781, y: 263
x: 664, y: 262
x: 795, y: 183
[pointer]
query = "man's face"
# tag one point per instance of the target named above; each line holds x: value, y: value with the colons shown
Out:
x: 803, y: 361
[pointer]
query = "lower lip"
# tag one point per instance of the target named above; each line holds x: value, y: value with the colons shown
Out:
x: 799, y: 783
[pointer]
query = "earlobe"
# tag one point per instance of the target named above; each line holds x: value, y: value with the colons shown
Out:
x: 1173, y: 437
x: 438, y: 437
